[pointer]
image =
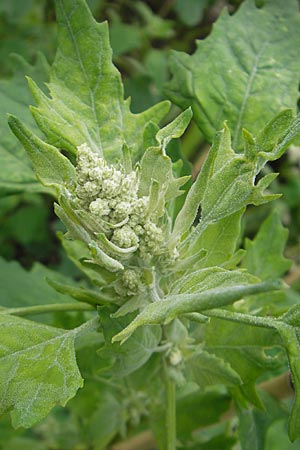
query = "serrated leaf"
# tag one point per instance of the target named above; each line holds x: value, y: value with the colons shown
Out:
x: 51, y: 167
x: 244, y: 348
x: 164, y: 311
x: 16, y: 174
x: 255, y: 50
x: 226, y: 183
x: 135, y: 352
x: 264, y: 256
x: 86, y: 94
x: 38, y: 369
x: 207, y: 370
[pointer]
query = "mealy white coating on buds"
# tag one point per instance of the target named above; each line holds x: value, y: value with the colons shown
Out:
x: 110, y: 195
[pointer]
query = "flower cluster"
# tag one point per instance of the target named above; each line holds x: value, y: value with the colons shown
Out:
x: 111, y: 197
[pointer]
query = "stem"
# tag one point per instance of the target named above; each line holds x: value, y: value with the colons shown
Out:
x: 170, y: 403
x: 257, y: 321
x: 42, y: 309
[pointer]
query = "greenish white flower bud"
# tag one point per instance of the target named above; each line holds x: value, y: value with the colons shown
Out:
x: 125, y: 237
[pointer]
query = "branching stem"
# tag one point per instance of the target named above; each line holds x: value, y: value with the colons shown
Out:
x: 43, y: 309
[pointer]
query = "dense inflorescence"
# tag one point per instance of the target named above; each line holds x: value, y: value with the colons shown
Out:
x: 111, y: 198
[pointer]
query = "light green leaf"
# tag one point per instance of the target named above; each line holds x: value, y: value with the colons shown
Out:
x: 135, y: 352
x: 86, y: 101
x: 256, y: 50
x: 207, y: 370
x: 219, y: 241
x: 51, y: 167
x: 264, y: 254
x: 212, y: 277
x: 164, y: 311
x: 175, y: 129
x: 16, y: 173
x: 155, y: 165
x: 38, y: 369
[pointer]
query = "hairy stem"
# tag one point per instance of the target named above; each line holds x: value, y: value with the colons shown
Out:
x: 170, y: 405
x: 42, y: 309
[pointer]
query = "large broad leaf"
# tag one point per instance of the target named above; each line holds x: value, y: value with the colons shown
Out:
x: 19, y: 287
x: 264, y: 254
x: 244, y: 72
x: 243, y: 347
x: 16, y: 173
x: 86, y: 101
x: 37, y: 369
x: 207, y: 370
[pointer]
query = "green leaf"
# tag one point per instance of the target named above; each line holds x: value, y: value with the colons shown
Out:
x: 38, y: 369
x: 254, y: 423
x: 135, y: 352
x: 264, y: 254
x: 19, y: 287
x: 245, y: 348
x: 175, y: 129
x: 291, y: 340
x: 199, y: 408
x: 249, y: 49
x: 207, y: 370
x: 51, y: 167
x: 16, y: 173
x: 164, y: 311
x: 155, y: 165
x: 219, y: 241
x: 226, y: 183
x: 86, y: 101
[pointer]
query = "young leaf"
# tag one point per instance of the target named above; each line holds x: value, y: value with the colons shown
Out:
x: 37, y: 369
x: 174, y: 129
x: 264, y: 254
x: 256, y: 50
x: 51, y: 167
x: 86, y: 93
x: 164, y: 311
x: 226, y: 183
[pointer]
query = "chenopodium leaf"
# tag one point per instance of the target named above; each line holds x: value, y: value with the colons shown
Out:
x: 134, y: 353
x: 37, y: 369
x: 16, y: 172
x: 86, y: 93
x: 174, y: 305
x: 256, y: 50
x: 263, y: 256
x: 226, y: 183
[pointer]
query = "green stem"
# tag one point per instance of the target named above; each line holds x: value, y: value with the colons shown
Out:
x: 170, y: 404
x: 42, y: 309
x: 257, y: 321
